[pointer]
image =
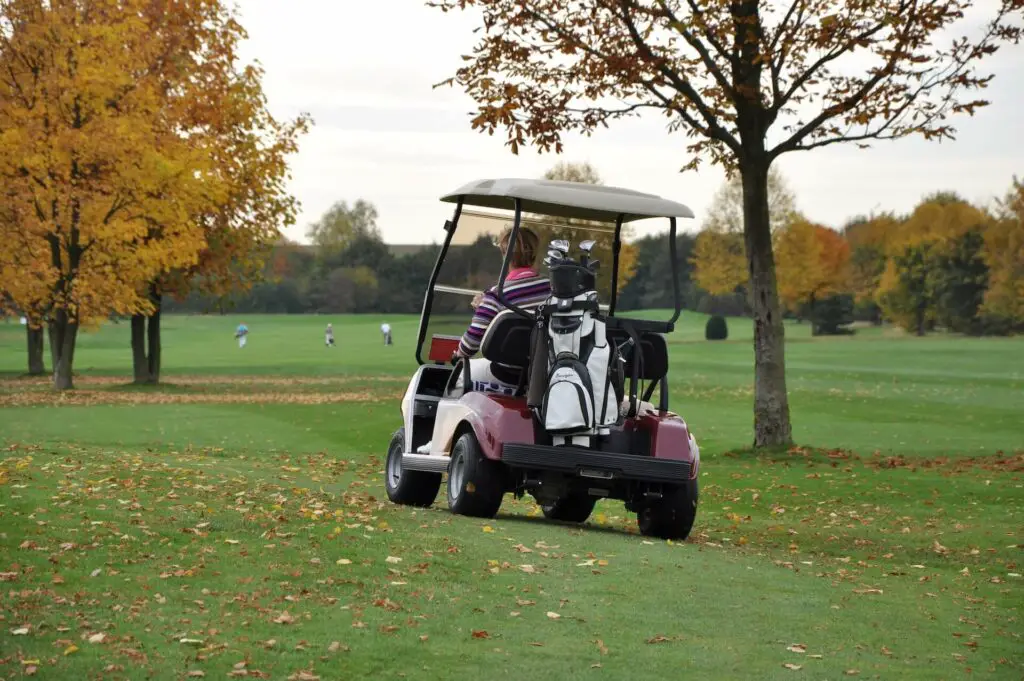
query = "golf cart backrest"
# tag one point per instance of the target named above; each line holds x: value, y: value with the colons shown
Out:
x: 507, y: 340
x: 653, y: 355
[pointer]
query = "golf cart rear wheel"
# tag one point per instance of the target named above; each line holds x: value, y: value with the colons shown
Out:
x: 411, y: 488
x: 475, y: 486
x: 672, y: 516
x: 574, y: 508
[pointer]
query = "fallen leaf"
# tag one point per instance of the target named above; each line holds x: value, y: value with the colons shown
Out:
x: 488, y: 528
x: 343, y: 561
x: 20, y: 631
x: 480, y: 633
x: 794, y: 667
x: 528, y: 569
x: 196, y: 674
x: 97, y: 638
x: 553, y: 615
x: 70, y: 650
x: 853, y: 672
x: 303, y: 675
x: 424, y: 637
x: 284, y: 618
x: 30, y: 670
x: 797, y: 648
x: 336, y: 646
x: 867, y: 591
x: 393, y: 559
x: 536, y: 644
x: 522, y: 549
x: 601, y: 647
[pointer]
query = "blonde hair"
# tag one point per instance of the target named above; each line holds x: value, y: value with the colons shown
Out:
x: 525, y: 252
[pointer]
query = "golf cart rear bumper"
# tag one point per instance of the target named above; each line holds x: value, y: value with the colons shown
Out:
x: 588, y: 463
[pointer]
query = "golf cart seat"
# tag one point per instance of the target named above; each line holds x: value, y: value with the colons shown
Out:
x: 506, y: 344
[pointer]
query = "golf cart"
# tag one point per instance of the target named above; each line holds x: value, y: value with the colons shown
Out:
x: 580, y: 425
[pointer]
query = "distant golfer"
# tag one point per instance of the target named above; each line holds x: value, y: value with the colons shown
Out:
x: 385, y: 331
x: 329, y: 336
x: 241, y: 333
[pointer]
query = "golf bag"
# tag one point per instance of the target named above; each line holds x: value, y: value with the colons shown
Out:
x: 584, y: 382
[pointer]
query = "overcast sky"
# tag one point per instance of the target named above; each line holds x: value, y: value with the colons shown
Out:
x: 364, y: 70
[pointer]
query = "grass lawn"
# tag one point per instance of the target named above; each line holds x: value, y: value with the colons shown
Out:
x: 232, y: 523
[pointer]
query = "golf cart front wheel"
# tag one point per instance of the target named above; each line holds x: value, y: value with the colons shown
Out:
x: 475, y: 485
x: 410, y: 488
x: 672, y: 516
x: 573, y: 508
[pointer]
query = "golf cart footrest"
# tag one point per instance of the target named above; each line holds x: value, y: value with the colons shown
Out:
x: 589, y: 463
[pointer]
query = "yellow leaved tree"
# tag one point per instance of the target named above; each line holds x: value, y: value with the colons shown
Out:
x: 719, y: 257
x: 115, y: 154
x: 1003, y: 253
x: 813, y: 263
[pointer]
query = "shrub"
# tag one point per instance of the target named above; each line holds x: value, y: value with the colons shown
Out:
x: 832, y: 316
x: 716, y: 328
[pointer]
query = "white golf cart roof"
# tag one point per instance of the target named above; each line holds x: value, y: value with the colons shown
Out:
x: 567, y: 199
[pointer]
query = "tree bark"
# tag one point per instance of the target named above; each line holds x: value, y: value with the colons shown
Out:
x: 146, y: 346
x: 771, y: 403
x: 140, y: 367
x: 63, y: 334
x: 36, y: 365
x: 154, y: 340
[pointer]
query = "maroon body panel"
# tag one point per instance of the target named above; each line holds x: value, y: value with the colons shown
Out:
x: 670, y: 436
x: 497, y: 419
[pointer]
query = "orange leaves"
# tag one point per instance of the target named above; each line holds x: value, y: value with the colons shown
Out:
x: 813, y: 262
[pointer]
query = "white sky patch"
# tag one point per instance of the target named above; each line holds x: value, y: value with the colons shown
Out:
x: 364, y: 71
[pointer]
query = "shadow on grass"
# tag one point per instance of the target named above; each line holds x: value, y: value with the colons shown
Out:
x: 541, y: 521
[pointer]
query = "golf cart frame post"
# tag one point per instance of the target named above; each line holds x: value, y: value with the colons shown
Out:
x: 462, y: 197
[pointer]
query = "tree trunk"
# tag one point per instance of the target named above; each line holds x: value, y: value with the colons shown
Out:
x: 771, y: 403
x: 146, y: 347
x: 63, y: 334
x: 154, y: 340
x: 919, y: 314
x: 140, y: 367
x: 36, y: 365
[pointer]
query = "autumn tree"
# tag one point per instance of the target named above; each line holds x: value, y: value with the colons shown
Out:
x: 247, y: 150
x: 116, y: 118
x: 745, y: 80
x: 919, y: 252
x: 813, y: 264
x: 1003, y: 253
x: 868, y: 237
x: 720, y: 265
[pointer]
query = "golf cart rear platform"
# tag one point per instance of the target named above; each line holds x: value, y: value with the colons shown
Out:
x: 587, y: 463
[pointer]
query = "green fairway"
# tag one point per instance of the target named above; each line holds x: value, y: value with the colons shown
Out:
x: 232, y: 523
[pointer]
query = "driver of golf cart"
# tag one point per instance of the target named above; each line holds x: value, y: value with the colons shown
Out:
x: 525, y: 288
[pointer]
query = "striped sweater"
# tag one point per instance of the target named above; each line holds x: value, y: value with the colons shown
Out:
x: 523, y: 287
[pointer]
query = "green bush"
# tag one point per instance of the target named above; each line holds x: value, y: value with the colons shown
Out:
x: 716, y: 328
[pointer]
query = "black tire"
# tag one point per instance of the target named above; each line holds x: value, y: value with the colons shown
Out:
x: 475, y: 483
x: 574, y: 508
x: 672, y: 516
x: 410, y: 488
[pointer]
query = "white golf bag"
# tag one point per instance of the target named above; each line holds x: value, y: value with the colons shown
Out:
x: 582, y: 397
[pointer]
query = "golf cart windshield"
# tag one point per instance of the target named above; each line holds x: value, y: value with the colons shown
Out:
x: 473, y: 261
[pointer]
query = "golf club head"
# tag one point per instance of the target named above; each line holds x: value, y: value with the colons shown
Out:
x: 560, y: 245
x: 588, y: 245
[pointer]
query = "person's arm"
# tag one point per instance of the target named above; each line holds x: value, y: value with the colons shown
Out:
x: 482, y: 317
